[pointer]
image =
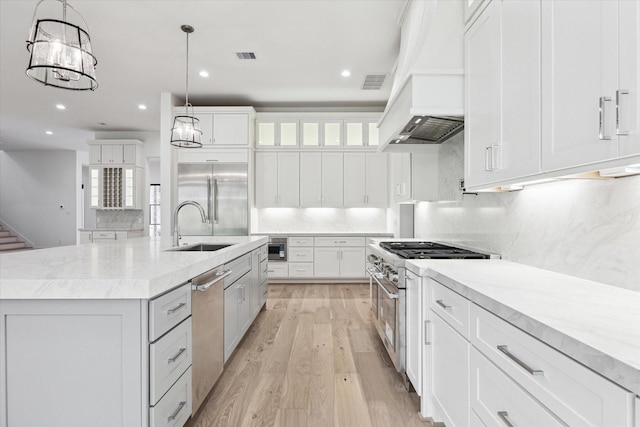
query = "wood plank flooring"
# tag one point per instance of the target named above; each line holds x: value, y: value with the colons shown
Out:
x: 312, y: 359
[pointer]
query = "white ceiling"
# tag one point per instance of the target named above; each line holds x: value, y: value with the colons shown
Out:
x: 301, y: 47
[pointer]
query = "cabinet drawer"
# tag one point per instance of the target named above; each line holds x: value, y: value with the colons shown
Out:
x: 339, y: 241
x: 497, y: 400
x: 104, y: 235
x: 451, y: 306
x: 264, y: 274
x: 239, y: 267
x: 301, y: 269
x: 204, y: 155
x: 572, y: 392
x: 167, y: 311
x: 263, y: 252
x: 300, y: 241
x: 174, y: 409
x: 278, y: 269
x: 301, y: 254
x: 169, y: 357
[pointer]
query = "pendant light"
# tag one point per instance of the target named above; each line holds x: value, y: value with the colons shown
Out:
x: 60, y: 49
x: 186, y: 131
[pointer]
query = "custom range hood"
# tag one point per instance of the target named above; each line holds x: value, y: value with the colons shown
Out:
x: 426, y: 105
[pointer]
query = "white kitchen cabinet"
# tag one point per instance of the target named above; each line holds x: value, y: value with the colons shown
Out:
x: 502, y: 77
x: 237, y: 313
x: 401, y: 176
x: 360, y: 133
x: 321, y: 180
x: 116, y: 152
x: 85, y: 237
x: 95, y: 154
x: 415, y: 177
x: 629, y: 78
x: 637, y: 412
x: 224, y: 128
x: 277, y: 179
x: 365, y: 180
x: 116, y: 187
x: 112, y: 154
x: 274, y: 131
x: 321, y: 133
x: 300, y: 256
x: 339, y: 257
x: 278, y: 270
x: 414, y: 329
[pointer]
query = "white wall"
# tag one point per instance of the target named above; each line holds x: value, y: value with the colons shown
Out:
x: 585, y: 228
x: 319, y: 220
x: 33, y: 187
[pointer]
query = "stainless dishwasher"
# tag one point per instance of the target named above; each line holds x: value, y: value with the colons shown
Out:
x: 207, y: 317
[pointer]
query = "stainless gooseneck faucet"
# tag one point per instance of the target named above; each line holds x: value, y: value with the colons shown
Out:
x: 176, y: 233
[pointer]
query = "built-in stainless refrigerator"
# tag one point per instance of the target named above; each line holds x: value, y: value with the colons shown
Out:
x: 222, y: 191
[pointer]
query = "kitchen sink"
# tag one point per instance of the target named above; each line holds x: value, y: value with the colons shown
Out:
x: 201, y: 247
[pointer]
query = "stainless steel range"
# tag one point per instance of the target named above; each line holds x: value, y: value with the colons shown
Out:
x: 388, y: 288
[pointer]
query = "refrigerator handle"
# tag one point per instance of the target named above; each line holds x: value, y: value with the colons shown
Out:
x: 209, y: 198
x: 215, y: 201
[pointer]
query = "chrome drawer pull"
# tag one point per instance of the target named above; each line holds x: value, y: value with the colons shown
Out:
x: 443, y: 305
x: 504, y: 416
x: 619, y: 130
x: 602, y: 133
x: 505, y: 350
x: 176, y: 308
x: 175, y: 413
x: 178, y: 354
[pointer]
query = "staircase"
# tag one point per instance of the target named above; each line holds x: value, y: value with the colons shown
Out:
x: 10, y: 243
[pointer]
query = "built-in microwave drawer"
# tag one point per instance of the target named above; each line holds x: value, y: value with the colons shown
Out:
x: 174, y: 409
x: 169, y: 357
x: 168, y: 310
x: 451, y: 306
x: 238, y: 267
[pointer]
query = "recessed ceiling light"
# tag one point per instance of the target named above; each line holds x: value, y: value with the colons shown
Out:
x: 204, y: 73
x: 142, y: 106
x: 346, y: 73
x: 60, y: 107
x: 49, y: 132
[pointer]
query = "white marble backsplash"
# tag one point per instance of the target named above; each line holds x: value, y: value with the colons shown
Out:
x: 119, y: 220
x: 586, y: 228
x: 319, y: 220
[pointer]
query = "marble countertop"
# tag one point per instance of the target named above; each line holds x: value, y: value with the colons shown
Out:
x: 138, y: 268
x: 596, y: 324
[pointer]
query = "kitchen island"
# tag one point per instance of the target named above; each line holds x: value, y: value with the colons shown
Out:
x: 81, y: 328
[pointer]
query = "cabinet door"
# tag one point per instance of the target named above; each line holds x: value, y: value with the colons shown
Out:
x: 95, y: 154
x: 449, y: 374
x: 231, y: 328
x: 352, y: 262
x: 520, y: 81
x: 414, y: 331
x: 310, y: 133
x: 482, y: 96
x: 85, y: 237
x: 230, y: 129
x: 401, y: 175
x: 332, y: 180
x: 288, y: 133
x: 376, y: 180
x: 206, y: 126
x: 266, y: 180
x: 288, y: 180
x: 354, y: 179
x: 354, y: 134
x: 245, y: 310
x: 129, y: 154
x: 266, y: 133
x: 579, y: 72
x: 311, y: 180
x: 629, y: 78
x: 326, y: 262
x: 112, y: 154
x: 332, y: 133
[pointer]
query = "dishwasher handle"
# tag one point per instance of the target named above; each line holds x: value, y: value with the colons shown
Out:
x: 218, y: 275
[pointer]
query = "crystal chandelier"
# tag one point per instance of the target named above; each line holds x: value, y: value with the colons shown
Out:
x: 60, y: 50
x: 186, y: 131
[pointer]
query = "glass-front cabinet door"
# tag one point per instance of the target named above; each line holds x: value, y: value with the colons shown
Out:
x: 361, y: 133
x: 332, y: 135
x: 277, y: 133
x: 310, y: 133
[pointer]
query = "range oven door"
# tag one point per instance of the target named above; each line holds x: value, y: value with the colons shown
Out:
x: 387, y: 316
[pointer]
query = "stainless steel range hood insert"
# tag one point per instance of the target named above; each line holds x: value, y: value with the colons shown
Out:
x: 430, y: 129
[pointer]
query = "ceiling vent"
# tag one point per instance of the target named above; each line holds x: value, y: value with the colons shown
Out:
x: 246, y: 55
x: 373, y: 81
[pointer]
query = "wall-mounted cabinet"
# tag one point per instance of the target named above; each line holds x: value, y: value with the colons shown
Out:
x: 365, y: 180
x: 543, y: 102
x: 277, y: 179
x: 317, y: 130
x: 116, y: 152
x: 224, y: 126
x: 321, y: 180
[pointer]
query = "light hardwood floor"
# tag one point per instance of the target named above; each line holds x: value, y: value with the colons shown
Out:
x: 312, y: 359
